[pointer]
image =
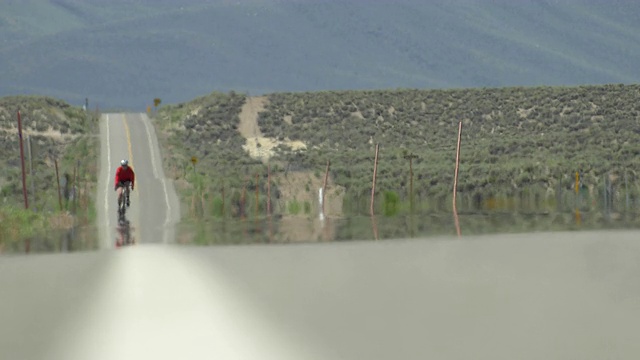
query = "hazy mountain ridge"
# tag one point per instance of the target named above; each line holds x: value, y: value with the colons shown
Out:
x: 125, y: 53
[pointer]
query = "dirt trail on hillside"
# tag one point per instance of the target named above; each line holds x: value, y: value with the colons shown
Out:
x: 258, y: 146
x: 300, y: 187
x: 50, y: 133
x: 249, y: 116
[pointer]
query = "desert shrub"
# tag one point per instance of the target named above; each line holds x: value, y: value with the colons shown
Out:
x: 294, y: 207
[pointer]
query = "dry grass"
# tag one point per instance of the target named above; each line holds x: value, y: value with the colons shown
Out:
x: 61, y: 221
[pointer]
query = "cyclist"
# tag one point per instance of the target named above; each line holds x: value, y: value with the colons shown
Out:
x: 124, y: 175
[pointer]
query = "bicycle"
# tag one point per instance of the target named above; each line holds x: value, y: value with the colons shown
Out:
x: 123, y: 200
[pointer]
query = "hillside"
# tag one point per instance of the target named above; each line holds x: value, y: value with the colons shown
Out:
x: 517, y: 142
x: 122, y: 54
x: 57, y: 132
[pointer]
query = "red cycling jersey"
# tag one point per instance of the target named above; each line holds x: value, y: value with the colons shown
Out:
x: 125, y: 174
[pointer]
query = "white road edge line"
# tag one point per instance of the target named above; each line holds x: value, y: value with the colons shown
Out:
x: 106, y: 190
x: 167, y: 217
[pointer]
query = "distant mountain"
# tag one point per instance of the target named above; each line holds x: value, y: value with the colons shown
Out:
x: 124, y: 53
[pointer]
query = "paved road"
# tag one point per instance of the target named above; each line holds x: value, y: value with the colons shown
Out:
x: 154, y: 210
x: 537, y: 296
x: 532, y: 296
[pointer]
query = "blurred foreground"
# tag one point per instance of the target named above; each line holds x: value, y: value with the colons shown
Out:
x: 531, y: 296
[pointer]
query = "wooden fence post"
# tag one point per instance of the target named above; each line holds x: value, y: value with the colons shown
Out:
x: 455, y: 177
x: 324, y: 187
x: 257, y: 194
x: 373, y: 183
x: 58, y: 180
x: 24, y: 176
x: 268, y: 190
x: 455, y: 181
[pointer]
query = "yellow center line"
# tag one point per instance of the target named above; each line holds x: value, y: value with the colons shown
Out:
x: 128, y: 134
x: 131, y: 162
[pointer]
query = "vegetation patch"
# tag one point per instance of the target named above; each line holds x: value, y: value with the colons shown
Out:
x: 53, y: 133
x: 522, y: 150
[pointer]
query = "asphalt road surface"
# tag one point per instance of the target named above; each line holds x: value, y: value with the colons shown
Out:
x: 154, y: 205
x: 573, y: 295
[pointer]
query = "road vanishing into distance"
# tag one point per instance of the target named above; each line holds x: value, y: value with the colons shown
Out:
x: 571, y: 295
x: 155, y: 207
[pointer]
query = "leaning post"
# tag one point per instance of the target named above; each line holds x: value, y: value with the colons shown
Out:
x: 455, y: 177
x: 58, y: 181
x: 24, y: 175
x: 455, y: 180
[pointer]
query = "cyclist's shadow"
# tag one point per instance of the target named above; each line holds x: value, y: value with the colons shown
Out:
x: 124, y: 234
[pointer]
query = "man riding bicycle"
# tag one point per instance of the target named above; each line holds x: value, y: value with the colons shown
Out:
x: 124, y: 177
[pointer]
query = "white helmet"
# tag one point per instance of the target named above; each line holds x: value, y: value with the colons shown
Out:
x: 124, y: 163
